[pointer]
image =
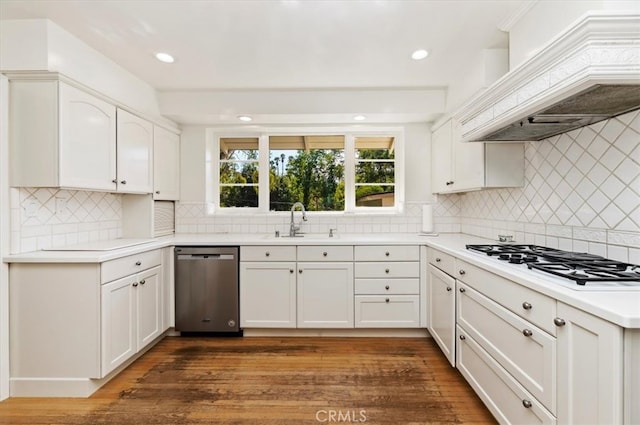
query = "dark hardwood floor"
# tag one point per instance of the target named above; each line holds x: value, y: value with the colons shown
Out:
x: 271, y: 381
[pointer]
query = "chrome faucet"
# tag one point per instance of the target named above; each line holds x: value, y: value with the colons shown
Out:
x: 293, y: 228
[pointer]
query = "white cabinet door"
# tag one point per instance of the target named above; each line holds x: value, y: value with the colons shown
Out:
x: 135, y: 154
x: 148, y: 305
x: 87, y: 140
x: 166, y: 165
x: 441, y: 159
x: 267, y: 295
x: 325, y: 295
x: 442, y: 312
x: 118, y: 322
x: 468, y: 162
x: 589, y: 368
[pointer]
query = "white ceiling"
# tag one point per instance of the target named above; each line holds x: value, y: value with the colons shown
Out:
x: 286, y: 45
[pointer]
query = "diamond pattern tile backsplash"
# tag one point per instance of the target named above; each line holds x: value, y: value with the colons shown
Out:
x: 582, y: 192
x: 45, y: 218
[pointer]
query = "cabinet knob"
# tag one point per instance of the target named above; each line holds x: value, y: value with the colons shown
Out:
x: 462, y: 272
x: 386, y: 287
x: 448, y: 288
x: 462, y: 337
x: 449, y: 183
x: 114, y: 181
x: 559, y: 322
x: 123, y: 182
x: 438, y: 260
x: 138, y: 263
x: 266, y: 254
x: 386, y: 254
x: 300, y: 271
x: 324, y: 254
x: 157, y: 192
x: 527, y: 403
x: 386, y: 270
x: 290, y: 270
x: 527, y: 306
x: 527, y: 332
x: 135, y: 284
x: 386, y: 300
x: 142, y: 282
x: 463, y: 290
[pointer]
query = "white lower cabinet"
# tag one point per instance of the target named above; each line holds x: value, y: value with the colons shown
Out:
x: 442, y: 310
x: 503, y: 395
x: 590, y: 369
x: 325, y: 295
x: 268, y: 295
x: 131, y: 316
x: 387, y: 311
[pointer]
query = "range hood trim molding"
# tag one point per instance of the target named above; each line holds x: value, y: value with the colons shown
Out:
x: 598, y: 49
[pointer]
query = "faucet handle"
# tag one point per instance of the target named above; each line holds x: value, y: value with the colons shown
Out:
x: 331, y: 230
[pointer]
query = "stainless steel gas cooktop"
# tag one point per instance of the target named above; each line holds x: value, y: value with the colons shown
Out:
x: 585, y: 270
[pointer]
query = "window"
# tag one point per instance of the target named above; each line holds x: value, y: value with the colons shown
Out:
x: 308, y: 169
x: 239, y: 172
x: 337, y: 171
x: 375, y: 172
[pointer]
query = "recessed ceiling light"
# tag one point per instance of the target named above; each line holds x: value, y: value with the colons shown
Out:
x: 419, y: 54
x: 244, y: 118
x: 359, y: 118
x: 165, y: 57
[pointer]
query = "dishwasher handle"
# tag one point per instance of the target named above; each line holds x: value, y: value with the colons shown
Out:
x: 208, y: 257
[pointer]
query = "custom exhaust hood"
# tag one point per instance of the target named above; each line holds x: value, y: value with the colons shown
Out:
x: 589, y: 73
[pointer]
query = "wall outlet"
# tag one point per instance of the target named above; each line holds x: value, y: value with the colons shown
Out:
x: 61, y: 207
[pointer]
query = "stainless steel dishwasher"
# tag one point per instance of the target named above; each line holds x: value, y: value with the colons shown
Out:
x: 207, y: 289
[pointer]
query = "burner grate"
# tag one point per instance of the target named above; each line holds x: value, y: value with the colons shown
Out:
x: 584, y: 272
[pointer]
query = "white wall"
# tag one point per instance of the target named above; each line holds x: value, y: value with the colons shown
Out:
x: 4, y: 238
x: 192, y: 164
x: 545, y: 20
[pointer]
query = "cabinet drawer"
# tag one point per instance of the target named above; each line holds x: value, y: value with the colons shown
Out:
x: 387, y: 253
x: 524, y: 350
x: 444, y: 262
x: 268, y: 253
x: 121, y: 267
x: 393, y: 311
x: 502, y: 394
x: 526, y: 303
x: 388, y: 269
x: 325, y: 253
x: 387, y: 286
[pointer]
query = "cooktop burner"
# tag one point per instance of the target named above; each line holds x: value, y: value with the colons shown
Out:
x: 579, y: 267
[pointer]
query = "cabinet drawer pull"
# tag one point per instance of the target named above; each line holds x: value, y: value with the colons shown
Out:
x: 300, y: 271
x: 386, y: 270
x: 142, y: 282
x: 290, y: 270
x: 138, y: 263
x: 114, y: 181
x: 463, y: 290
x: 438, y: 260
x: 386, y: 287
x: 448, y: 288
x: 324, y: 254
x: 462, y: 272
x: 462, y: 337
x: 135, y: 284
x: 527, y: 332
x: 386, y: 300
x: 527, y: 404
x: 157, y: 192
x: 559, y: 322
x: 266, y: 254
x: 527, y: 306
x: 123, y: 182
x: 386, y: 253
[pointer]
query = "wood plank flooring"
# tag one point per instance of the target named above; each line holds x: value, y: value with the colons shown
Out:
x: 271, y: 381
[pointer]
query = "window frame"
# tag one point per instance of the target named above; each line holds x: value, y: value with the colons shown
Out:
x: 212, y: 173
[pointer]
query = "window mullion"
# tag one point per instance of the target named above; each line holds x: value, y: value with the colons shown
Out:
x: 263, y: 173
x: 349, y: 173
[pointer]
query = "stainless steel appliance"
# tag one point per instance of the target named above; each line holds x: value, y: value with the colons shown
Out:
x: 586, y: 271
x: 207, y: 289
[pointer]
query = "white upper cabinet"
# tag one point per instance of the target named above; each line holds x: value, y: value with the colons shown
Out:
x: 61, y: 137
x: 135, y: 154
x: 166, y: 165
x: 457, y: 166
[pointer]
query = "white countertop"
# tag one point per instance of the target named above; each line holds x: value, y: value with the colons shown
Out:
x: 621, y: 307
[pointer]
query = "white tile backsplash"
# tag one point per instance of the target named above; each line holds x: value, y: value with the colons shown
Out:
x: 581, y: 192
x: 45, y: 218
